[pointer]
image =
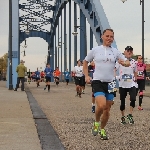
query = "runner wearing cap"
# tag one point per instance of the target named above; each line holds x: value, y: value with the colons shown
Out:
x: 127, y: 83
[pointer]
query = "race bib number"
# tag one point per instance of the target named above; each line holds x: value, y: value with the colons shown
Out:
x: 112, y: 86
x: 127, y: 77
x: 140, y: 73
x: 37, y: 75
x: 66, y: 74
x: 48, y: 72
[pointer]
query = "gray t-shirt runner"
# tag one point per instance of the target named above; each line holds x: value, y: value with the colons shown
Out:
x: 105, y: 59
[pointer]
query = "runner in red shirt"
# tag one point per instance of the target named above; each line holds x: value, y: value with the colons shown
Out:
x: 56, y: 75
x: 42, y: 76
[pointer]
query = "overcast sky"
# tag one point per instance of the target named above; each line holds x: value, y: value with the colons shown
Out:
x: 124, y: 18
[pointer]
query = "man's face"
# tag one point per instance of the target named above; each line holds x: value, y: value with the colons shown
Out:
x: 108, y: 38
x: 140, y: 59
x: 128, y: 53
x: 48, y: 66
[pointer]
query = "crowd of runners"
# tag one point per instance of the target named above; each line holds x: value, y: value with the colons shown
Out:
x: 104, y: 67
x: 46, y: 76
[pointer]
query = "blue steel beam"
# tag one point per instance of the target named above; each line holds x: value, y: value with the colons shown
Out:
x: 55, y: 50
x: 58, y: 45
x: 65, y: 40
x: 83, y: 44
x: 70, y: 35
x: 61, y: 45
x: 93, y: 11
x: 32, y: 33
x: 91, y: 39
x: 75, y: 37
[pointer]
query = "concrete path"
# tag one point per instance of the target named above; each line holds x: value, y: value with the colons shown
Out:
x: 17, y: 127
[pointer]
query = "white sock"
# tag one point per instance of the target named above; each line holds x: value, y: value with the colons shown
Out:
x: 93, y: 104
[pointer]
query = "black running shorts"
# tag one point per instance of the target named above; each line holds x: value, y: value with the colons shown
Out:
x: 48, y: 79
x: 83, y: 81
x: 78, y: 81
x: 67, y: 80
x: 141, y: 84
x: 123, y: 93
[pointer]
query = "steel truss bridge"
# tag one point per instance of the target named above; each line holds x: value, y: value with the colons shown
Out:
x: 28, y: 18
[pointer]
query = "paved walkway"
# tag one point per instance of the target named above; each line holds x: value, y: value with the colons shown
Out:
x: 71, y: 118
x: 17, y: 128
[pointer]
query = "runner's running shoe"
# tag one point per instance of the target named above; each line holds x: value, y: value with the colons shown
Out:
x: 95, y: 128
x: 123, y: 120
x: 103, y: 134
x: 93, y: 109
x: 130, y: 118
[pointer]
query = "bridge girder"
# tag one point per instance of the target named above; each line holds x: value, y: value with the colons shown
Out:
x: 94, y: 13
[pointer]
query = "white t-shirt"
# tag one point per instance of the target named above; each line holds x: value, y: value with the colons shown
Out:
x: 126, y: 74
x: 105, y: 59
x: 78, y: 71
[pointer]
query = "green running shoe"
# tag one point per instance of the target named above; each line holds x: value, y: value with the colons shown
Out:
x: 130, y: 118
x: 95, y: 128
x: 103, y: 134
x: 123, y: 120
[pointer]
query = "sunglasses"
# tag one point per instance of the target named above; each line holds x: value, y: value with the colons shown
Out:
x: 140, y: 58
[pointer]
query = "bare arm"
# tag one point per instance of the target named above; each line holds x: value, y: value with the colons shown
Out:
x: 85, y: 68
x: 125, y: 63
x: 135, y: 75
x: 85, y: 71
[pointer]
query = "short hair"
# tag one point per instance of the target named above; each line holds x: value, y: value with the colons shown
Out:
x: 108, y: 30
x: 78, y: 60
x: 138, y: 56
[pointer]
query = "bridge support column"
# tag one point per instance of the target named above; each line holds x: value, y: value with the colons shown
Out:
x: 83, y: 41
x: 65, y: 40
x: 15, y: 44
x: 75, y: 37
x: 91, y: 39
x: 58, y: 45
x: 55, y: 51
x: 70, y: 35
x: 52, y: 52
x: 61, y: 46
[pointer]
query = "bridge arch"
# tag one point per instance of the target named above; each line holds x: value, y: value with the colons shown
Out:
x: 96, y: 17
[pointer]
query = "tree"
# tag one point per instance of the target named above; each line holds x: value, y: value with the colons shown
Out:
x: 3, y: 63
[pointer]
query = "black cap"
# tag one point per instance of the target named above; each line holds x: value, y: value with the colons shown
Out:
x: 129, y: 48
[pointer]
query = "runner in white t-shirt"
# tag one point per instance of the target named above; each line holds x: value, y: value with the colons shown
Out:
x: 127, y: 83
x: 103, y: 86
x: 78, y: 70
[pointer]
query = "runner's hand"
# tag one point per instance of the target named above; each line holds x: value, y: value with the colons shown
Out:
x: 124, y: 63
x: 120, y: 61
x: 88, y: 79
x: 147, y: 78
